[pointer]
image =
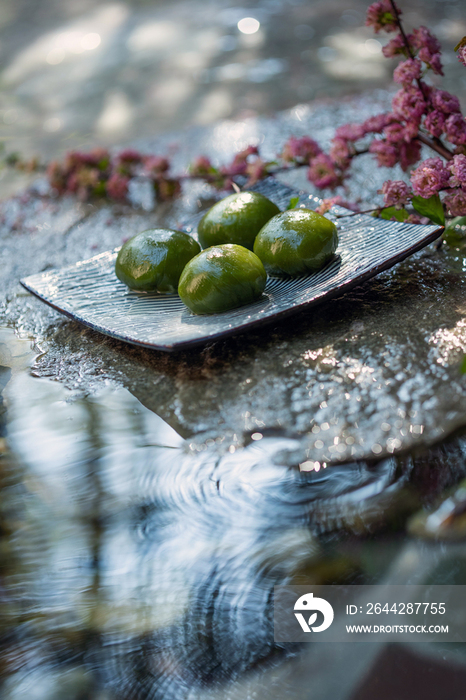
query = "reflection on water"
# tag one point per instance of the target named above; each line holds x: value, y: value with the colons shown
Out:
x: 135, y: 566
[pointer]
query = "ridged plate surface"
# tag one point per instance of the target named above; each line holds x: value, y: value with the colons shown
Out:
x: 90, y: 293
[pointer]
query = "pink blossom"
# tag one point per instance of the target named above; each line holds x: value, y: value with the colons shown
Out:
x: 380, y: 16
x: 328, y: 203
x: 410, y: 152
x: 407, y: 71
x: 350, y: 132
x: 462, y: 54
x: 429, y: 177
x: 339, y: 152
x: 117, y: 187
x: 99, y: 154
x: 412, y: 129
x: 376, y: 124
x: 445, y: 102
x: 398, y: 133
x: 322, y: 172
x: 422, y: 38
x: 455, y: 129
x: 409, y: 103
x: 387, y: 154
x: 300, y: 149
x: 129, y: 156
x: 200, y: 167
x: 56, y: 176
x: 394, y: 133
x: 435, y: 122
x: 76, y: 159
x: 395, y: 47
x: 73, y: 159
x: 72, y: 183
x: 455, y: 201
x: 156, y: 165
x: 457, y: 167
x: 433, y: 61
x: 256, y: 171
x: 416, y: 219
x: 239, y: 163
x: 396, y: 193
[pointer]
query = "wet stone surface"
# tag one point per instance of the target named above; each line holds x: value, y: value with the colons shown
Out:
x: 372, y: 373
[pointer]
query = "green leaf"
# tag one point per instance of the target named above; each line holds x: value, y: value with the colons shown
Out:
x: 99, y: 189
x: 431, y: 207
x: 12, y: 159
x: 398, y: 214
x: 452, y: 234
x: 463, y: 366
x: 103, y: 164
x: 457, y: 221
x: 293, y: 202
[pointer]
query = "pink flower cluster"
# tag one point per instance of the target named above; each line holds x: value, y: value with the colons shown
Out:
x: 395, y: 47
x: 98, y: 174
x: 455, y: 198
x: 380, y: 15
x: 300, y: 150
x: 328, y: 203
x: 395, y: 135
x: 416, y: 106
x: 457, y: 168
x: 455, y: 202
x: 323, y: 172
x: 430, y: 177
x: 246, y: 162
x: 396, y: 193
x: 428, y: 48
x: 83, y: 174
x: 421, y: 43
x: 407, y: 71
x: 462, y: 53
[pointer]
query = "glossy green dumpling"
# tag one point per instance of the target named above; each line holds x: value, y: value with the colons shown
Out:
x: 296, y: 242
x: 152, y: 261
x: 236, y: 219
x: 222, y: 278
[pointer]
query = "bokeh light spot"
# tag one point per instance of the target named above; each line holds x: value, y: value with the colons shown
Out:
x: 249, y: 25
x: 53, y: 124
x: 373, y: 46
x: 90, y: 41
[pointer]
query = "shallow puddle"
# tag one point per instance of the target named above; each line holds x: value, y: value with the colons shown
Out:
x: 136, y: 565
